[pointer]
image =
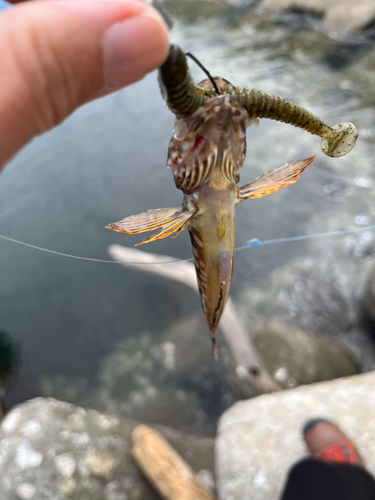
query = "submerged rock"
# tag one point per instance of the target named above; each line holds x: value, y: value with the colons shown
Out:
x: 192, y: 363
x: 346, y: 14
x: 292, y: 356
x: 322, y: 295
x: 295, y: 357
x: 260, y: 439
x: 134, y: 382
x: 51, y: 449
x: 171, y: 380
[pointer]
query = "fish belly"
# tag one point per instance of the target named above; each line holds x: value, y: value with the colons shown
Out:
x: 212, y: 240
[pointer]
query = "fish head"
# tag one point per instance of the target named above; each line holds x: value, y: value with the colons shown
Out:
x: 211, y: 140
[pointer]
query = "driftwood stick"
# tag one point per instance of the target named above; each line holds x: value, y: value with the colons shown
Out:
x: 249, y: 364
x: 166, y: 470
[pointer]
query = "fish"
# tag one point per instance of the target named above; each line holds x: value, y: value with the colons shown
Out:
x: 205, y: 154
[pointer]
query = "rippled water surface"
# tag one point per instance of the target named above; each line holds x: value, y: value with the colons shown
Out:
x: 98, y: 334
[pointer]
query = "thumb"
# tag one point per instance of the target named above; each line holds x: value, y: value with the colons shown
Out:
x: 58, y: 54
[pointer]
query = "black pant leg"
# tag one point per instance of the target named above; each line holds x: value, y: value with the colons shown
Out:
x: 313, y: 479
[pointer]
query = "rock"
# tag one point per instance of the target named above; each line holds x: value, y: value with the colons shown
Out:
x: 295, y: 357
x: 186, y: 349
x: 292, y: 355
x: 51, y: 449
x: 193, y: 9
x: 346, y: 14
x: 321, y: 295
x: 171, y: 381
x: 260, y: 439
x: 146, y: 378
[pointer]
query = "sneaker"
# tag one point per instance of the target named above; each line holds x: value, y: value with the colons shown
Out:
x: 327, y: 442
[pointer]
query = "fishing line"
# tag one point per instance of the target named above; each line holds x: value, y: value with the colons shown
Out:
x: 251, y: 243
x: 256, y: 243
x: 77, y: 257
x: 198, y: 63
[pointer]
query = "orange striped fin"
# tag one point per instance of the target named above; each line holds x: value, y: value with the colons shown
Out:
x: 171, y: 220
x: 275, y: 179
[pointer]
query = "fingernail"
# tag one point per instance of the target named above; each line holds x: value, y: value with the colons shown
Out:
x: 133, y: 47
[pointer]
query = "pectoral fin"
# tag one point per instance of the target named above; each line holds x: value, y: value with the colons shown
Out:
x: 275, y: 179
x: 171, y: 220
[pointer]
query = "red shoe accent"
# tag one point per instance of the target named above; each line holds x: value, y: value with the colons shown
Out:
x: 342, y: 451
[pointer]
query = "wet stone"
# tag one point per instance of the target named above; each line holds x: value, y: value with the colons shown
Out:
x: 259, y: 440
x: 323, y: 296
x: 296, y: 357
x: 54, y: 450
x: 346, y: 14
x: 171, y: 381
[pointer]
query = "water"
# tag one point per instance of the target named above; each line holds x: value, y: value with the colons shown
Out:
x: 91, y: 333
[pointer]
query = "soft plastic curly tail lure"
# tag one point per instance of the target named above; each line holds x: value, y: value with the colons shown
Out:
x: 184, y: 98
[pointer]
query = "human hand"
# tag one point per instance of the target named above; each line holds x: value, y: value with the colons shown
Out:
x: 58, y: 54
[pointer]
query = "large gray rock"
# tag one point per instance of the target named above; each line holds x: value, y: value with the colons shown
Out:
x: 259, y: 439
x: 345, y: 14
x: 51, y: 450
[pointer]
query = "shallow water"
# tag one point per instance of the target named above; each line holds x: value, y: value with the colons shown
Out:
x: 89, y: 333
